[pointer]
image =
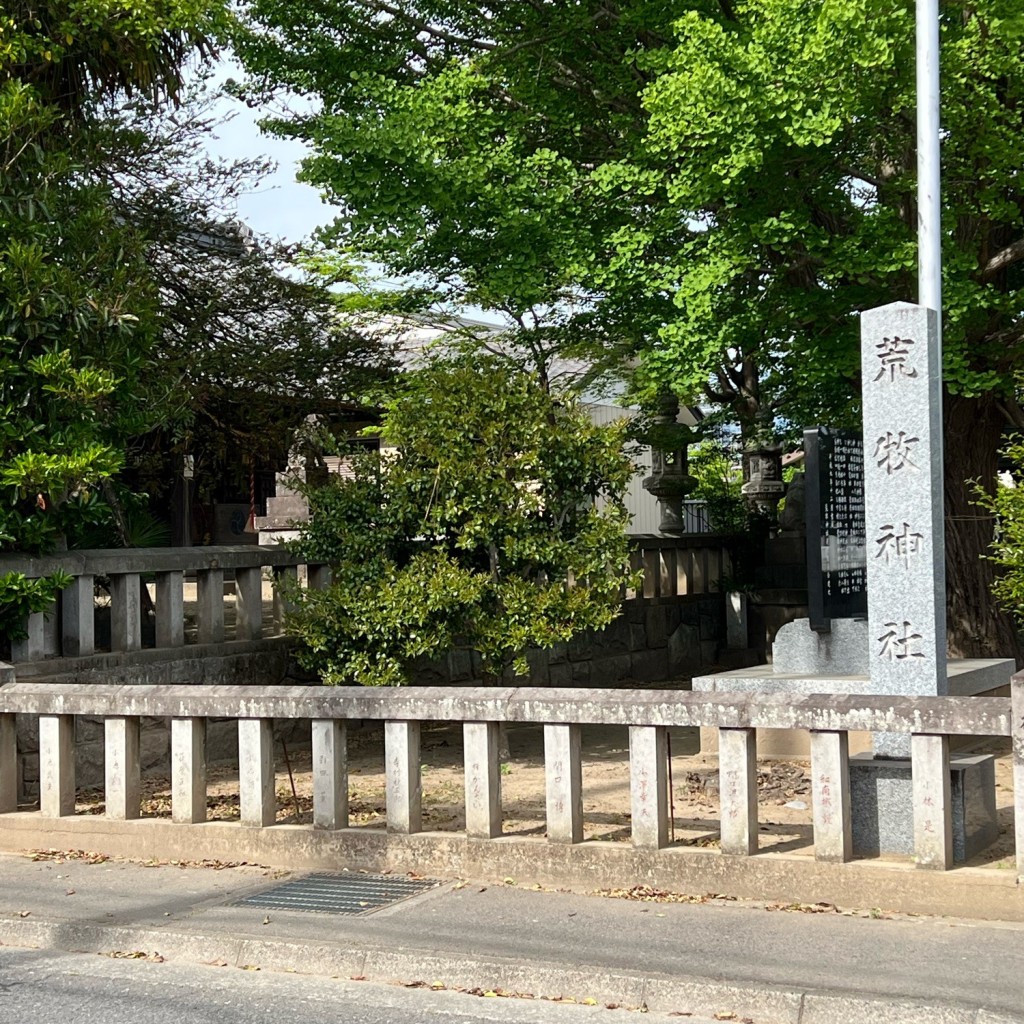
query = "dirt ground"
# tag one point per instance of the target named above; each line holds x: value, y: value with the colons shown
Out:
x: 783, y: 805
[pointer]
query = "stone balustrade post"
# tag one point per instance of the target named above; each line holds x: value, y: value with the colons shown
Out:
x: 285, y: 577
x: 78, y: 616
x: 563, y: 773
x: 483, y: 779
x: 8, y: 764
x: 56, y: 765
x: 125, y: 612
x: 684, y: 572
x: 210, y: 605
x: 170, y: 609
x: 256, y: 796
x: 667, y: 572
x: 404, y: 786
x: 648, y: 786
x: 652, y: 571
x: 933, y: 812
x: 123, y: 789
x: 737, y: 785
x: 830, y: 796
x: 318, y: 576
x: 249, y: 603
x: 32, y: 646
x: 188, y: 770
x: 330, y: 774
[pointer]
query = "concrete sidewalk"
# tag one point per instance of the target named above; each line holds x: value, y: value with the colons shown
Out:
x: 719, y: 956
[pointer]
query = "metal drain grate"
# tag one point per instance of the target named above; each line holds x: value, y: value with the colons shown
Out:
x: 339, y: 894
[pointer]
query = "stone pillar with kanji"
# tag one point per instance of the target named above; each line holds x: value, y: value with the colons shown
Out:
x: 903, y: 496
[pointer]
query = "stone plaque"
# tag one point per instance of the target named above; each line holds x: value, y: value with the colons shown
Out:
x: 836, y: 536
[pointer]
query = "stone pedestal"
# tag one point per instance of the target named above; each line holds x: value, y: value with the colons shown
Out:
x: 837, y: 650
x: 882, y: 806
x: 799, y: 650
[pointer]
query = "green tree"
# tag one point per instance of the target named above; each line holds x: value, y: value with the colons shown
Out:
x: 492, y: 520
x: 251, y: 340
x: 717, y: 187
x: 76, y: 302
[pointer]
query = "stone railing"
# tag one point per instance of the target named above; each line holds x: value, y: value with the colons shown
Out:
x: 930, y: 721
x: 142, y: 579
x: 680, y: 566
x: 147, y: 587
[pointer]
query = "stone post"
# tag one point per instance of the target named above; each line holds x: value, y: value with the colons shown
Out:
x: 249, y: 603
x: 563, y: 771
x: 8, y: 764
x: 188, y: 770
x: 737, y: 788
x: 318, y: 576
x: 830, y: 796
x: 210, y: 605
x: 330, y: 774
x: 78, y: 618
x: 483, y: 779
x: 933, y: 813
x: 256, y: 796
x: 902, y: 396
x: 123, y: 789
x: 56, y: 765
x: 33, y: 646
x: 404, y: 787
x: 648, y: 786
x: 1017, y: 740
x: 125, y: 612
x: 285, y: 576
x: 170, y: 609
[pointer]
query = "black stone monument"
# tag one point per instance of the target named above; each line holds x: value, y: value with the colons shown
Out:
x: 836, y: 535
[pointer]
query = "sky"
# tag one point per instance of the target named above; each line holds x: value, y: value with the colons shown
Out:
x: 283, y: 208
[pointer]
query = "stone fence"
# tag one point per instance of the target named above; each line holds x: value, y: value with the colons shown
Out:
x: 930, y: 721
x: 69, y: 629
x: 211, y: 614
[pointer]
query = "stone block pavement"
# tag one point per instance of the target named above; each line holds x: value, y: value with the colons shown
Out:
x: 711, y: 957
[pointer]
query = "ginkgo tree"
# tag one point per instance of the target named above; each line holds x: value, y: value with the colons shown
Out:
x: 711, y: 188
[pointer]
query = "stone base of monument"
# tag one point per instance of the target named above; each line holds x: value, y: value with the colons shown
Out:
x: 804, y: 661
x: 882, y: 808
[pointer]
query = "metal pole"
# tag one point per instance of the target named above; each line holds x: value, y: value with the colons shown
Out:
x: 929, y: 206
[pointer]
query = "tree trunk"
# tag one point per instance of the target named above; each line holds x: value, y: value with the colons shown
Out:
x: 977, y: 627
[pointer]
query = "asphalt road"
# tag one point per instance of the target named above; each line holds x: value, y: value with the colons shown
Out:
x: 49, y: 987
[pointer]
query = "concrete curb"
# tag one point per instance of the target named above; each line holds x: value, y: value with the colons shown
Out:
x: 656, y: 992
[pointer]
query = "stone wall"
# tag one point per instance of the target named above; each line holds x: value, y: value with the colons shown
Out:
x: 653, y: 641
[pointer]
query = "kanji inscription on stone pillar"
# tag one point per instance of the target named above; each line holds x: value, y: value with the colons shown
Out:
x: 902, y: 395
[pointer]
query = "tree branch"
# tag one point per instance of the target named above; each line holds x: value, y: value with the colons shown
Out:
x: 1006, y: 257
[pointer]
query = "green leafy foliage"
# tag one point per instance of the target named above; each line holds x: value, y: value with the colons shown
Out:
x: 719, y: 478
x: 704, y: 184
x: 77, y: 300
x: 713, y: 190
x: 1006, y: 505
x: 488, y: 496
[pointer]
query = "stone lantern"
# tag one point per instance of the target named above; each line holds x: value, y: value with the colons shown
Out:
x: 762, y: 479
x: 669, y: 481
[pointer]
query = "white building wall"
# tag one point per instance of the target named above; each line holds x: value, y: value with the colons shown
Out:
x: 641, y: 505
